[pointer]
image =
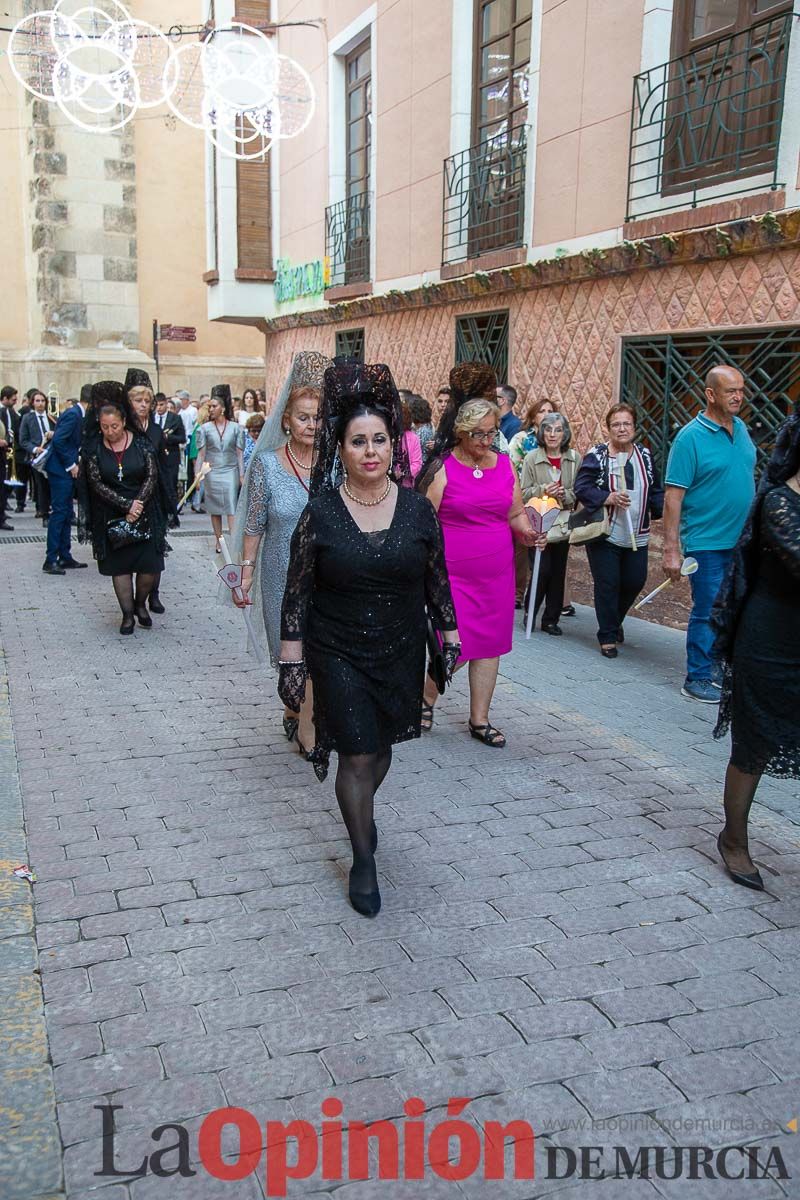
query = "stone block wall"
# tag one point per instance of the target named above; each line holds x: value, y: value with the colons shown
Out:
x: 82, y: 197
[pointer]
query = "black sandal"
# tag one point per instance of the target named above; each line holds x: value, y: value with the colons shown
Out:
x: 488, y: 735
x: 426, y: 719
x: 290, y: 726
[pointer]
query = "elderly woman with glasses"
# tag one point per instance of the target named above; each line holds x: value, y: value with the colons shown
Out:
x: 620, y: 476
x: 550, y: 470
x: 476, y: 494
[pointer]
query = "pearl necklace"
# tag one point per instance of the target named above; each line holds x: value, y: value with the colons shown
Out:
x: 368, y: 503
x: 303, y: 466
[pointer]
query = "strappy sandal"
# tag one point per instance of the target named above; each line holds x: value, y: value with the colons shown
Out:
x: 290, y: 726
x: 488, y: 735
x: 426, y: 719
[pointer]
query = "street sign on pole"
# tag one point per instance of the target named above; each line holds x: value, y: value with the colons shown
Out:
x: 178, y: 333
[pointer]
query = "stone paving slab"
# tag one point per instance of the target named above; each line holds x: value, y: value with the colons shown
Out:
x: 558, y: 941
x: 30, y: 1146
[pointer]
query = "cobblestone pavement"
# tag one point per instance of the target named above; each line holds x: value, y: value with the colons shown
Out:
x: 558, y: 941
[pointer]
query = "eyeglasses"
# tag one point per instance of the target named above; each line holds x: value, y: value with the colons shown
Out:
x: 479, y: 435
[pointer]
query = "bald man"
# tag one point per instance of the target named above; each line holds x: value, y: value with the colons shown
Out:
x: 709, y: 490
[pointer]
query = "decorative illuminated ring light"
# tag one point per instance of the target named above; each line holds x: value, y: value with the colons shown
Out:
x: 100, y: 66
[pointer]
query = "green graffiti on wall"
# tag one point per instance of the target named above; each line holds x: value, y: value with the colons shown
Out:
x: 310, y: 279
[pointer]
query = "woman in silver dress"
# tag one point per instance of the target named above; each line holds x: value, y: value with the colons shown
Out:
x: 274, y: 495
x: 220, y: 442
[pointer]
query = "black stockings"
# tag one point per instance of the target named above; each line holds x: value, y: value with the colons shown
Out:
x: 358, y: 778
x: 740, y: 789
x: 123, y: 587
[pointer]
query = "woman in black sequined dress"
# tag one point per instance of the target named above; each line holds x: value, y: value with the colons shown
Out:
x: 366, y: 560
x: 757, y: 622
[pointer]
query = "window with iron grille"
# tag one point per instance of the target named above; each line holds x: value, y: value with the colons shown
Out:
x: 484, y: 338
x: 484, y: 186
x: 350, y: 343
x: 663, y: 378
x: 347, y: 224
x: 713, y: 113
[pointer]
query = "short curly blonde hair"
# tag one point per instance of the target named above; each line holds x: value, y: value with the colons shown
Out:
x: 470, y: 415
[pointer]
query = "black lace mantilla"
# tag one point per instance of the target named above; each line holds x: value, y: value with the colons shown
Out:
x: 347, y: 384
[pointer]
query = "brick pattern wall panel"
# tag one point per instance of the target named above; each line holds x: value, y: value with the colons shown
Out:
x: 565, y: 338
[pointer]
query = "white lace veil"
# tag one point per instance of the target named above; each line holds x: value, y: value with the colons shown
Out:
x: 307, y: 370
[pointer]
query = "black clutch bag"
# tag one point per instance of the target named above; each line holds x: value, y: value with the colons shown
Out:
x: 121, y: 532
x: 436, y: 664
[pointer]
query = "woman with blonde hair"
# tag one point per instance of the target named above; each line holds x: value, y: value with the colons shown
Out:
x: 274, y: 494
x: 476, y: 494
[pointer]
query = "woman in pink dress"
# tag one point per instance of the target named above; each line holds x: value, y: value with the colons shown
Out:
x: 476, y: 493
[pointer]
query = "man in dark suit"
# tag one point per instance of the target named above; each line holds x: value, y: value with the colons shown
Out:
x: 9, y: 441
x: 62, y: 471
x: 35, y: 432
x: 174, y: 433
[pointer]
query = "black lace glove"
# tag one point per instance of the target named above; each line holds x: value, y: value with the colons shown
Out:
x: 452, y: 653
x: 292, y: 684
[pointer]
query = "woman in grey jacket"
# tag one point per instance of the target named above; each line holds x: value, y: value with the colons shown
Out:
x: 550, y: 470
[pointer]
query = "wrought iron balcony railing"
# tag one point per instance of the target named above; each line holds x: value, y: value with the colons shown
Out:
x: 707, y: 118
x: 347, y: 240
x: 484, y: 197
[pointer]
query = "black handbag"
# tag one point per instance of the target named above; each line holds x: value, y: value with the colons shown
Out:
x: 121, y: 532
x: 436, y: 664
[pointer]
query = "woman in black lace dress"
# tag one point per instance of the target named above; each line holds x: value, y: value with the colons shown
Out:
x: 757, y: 623
x: 121, y: 479
x: 366, y: 558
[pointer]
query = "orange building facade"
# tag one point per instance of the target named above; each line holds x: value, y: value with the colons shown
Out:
x: 600, y: 197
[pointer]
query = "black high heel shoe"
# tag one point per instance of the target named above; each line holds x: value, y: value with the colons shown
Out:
x: 143, y: 617
x: 290, y: 727
x: 128, y: 624
x: 154, y: 603
x: 750, y: 880
x: 367, y: 904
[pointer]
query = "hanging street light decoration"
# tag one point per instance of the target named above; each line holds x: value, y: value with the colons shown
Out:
x: 100, y: 66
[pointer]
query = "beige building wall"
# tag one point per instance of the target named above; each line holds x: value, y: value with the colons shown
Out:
x: 102, y: 234
x: 590, y: 52
x: 411, y: 128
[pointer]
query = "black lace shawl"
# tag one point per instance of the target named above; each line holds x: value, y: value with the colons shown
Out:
x: 743, y: 571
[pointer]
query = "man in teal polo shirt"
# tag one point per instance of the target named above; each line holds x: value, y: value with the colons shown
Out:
x: 709, y: 490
